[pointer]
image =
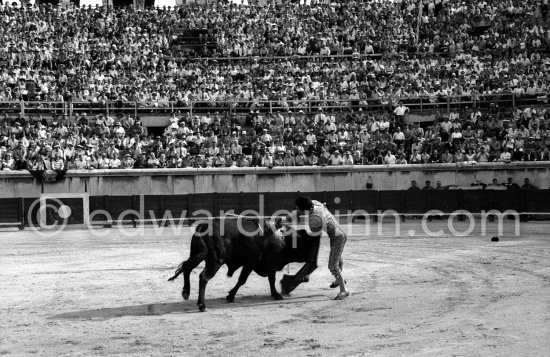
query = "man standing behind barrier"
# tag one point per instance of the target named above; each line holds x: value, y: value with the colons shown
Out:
x: 413, y: 186
x: 400, y: 112
x: 528, y: 185
x: 511, y: 185
x: 319, y: 219
x: 428, y: 186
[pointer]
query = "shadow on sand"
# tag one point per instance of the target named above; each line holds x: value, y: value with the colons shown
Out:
x: 183, y: 307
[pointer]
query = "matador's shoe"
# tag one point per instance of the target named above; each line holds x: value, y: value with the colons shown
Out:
x: 342, y: 295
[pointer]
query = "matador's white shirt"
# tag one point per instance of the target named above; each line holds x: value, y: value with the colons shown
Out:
x: 319, y: 218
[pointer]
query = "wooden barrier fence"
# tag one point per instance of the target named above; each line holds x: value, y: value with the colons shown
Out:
x: 24, y: 212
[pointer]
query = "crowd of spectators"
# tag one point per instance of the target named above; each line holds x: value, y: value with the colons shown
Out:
x: 464, y: 49
x: 282, y: 139
x: 94, y: 55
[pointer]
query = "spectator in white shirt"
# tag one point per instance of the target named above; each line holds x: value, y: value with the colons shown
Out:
x: 348, y: 159
x: 456, y: 135
x: 336, y: 159
x: 400, y: 112
x: 389, y: 159
x: 505, y: 156
x: 398, y: 137
x: 265, y: 137
x: 320, y: 117
x: 115, y: 162
x: 384, y: 124
x: 447, y: 125
x: 119, y: 130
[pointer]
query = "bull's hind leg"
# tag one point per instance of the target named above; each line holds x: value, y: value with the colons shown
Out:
x: 189, y: 266
x: 274, y: 293
x: 212, y: 267
x: 245, y: 272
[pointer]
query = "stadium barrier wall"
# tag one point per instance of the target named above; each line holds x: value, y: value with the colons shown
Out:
x: 24, y: 211
x: 343, y: 188
x: 14, y: 184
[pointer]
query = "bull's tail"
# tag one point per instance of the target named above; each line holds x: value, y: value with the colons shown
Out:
x: 197, y: 254
x: 179, y: 270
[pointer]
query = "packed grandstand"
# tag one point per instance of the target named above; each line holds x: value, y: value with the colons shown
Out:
x: 330, y: 83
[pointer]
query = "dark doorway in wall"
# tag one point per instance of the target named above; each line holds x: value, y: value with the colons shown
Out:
x: 120, y: 3
x: 52, y: 2
x: 155, y: 130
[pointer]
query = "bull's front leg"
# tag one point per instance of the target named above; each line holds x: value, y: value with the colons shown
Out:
x: 245, y: 272
x: 291, y: 282
x: 274, y: 293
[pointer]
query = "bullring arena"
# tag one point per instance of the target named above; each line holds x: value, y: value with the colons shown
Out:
x: 422, y: 125
x: 79, y: 294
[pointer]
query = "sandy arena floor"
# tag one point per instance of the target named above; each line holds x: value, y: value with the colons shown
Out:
x: 77, y: 294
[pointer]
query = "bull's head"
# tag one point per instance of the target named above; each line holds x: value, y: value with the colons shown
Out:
x: 275, y: 226
x: 278, y: 222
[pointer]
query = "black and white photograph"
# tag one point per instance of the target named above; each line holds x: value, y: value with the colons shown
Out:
x: 274, y: 178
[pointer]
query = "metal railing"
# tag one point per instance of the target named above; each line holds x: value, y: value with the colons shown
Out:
x: 310, y: 57
x: 416, y: 105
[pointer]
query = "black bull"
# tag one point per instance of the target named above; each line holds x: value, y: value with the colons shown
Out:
x: 264, y: 253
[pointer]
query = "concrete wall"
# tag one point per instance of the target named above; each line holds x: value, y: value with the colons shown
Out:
x: 305, y: 179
